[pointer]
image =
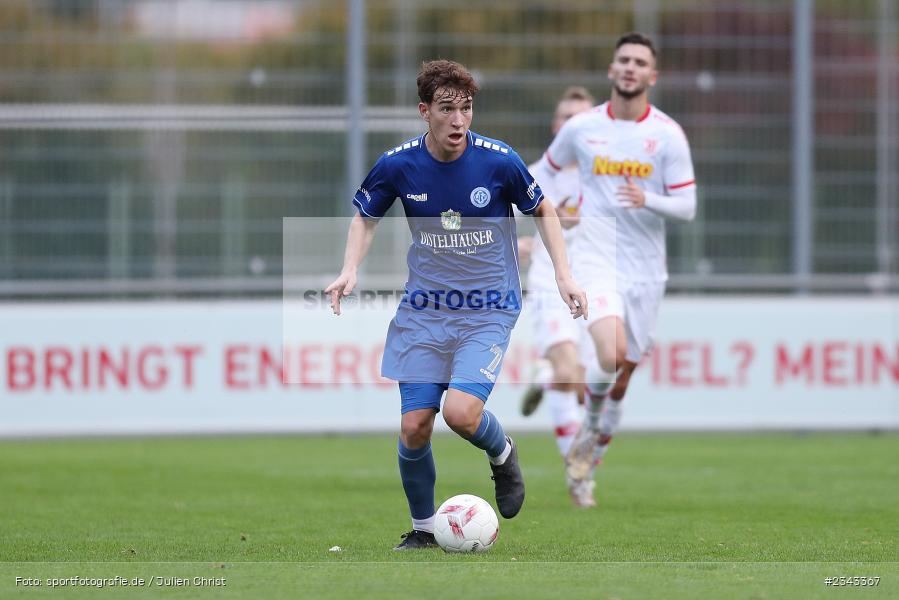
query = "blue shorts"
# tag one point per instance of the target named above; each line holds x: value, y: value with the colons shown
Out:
x: 460, y: 353
x: 414, y: 396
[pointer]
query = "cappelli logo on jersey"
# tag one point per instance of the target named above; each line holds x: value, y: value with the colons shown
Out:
x: 603, y: 165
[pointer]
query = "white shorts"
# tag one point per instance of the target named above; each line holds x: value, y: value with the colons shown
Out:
x: 552, y: 320
x: 636, y: 304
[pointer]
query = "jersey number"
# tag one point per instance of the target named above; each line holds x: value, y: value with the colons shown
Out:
x: 498, y: 356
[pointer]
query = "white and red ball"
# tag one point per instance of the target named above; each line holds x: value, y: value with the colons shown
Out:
x: 466, y: 523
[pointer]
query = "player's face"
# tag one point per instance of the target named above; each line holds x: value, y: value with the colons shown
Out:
x: 567, y: 109
x: 633, y: 70
x: 449, y: 118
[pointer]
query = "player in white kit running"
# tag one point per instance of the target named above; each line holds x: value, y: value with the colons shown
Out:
x: 635, y: 172
x: 556, y: 334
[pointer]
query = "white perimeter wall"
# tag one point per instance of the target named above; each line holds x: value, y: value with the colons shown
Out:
x: 720, y: 363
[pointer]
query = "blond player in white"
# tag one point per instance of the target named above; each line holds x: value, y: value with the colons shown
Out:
x: 556, y: 333
x: 635, y: 173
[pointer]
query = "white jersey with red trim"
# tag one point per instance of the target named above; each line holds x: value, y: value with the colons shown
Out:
x: 563, y: 190
x: 654, y: 153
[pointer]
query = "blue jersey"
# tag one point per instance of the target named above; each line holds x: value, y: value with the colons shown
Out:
x: 463, y: 258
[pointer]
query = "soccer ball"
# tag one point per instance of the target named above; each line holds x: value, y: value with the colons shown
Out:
x: 466, y: 523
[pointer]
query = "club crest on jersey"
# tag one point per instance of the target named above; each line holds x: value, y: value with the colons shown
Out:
x: 451, y: 220
x: 480, y: 197
x: 650, y: 146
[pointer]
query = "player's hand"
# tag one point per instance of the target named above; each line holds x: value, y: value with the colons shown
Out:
x: 582, y: 394
x: 569, y: 214
x: 630, y: 195
x: 342, y: 286
x: 574, y: 297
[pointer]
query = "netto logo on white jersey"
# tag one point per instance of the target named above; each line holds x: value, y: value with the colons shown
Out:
x: 603, y: 165
x: 418, y: 197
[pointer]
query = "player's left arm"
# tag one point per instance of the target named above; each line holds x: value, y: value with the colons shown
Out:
x: 679, y: 203
x: 551, y: 233
x: 679, y: 199
x: 525, y: 192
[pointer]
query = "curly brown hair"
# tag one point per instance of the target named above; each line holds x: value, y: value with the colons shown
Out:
x: 446, y: 74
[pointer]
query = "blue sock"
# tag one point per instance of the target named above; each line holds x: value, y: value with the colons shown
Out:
x: 419, y: 475
x: 489, y: 436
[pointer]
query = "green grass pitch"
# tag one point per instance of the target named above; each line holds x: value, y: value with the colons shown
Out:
x: 680, y: 516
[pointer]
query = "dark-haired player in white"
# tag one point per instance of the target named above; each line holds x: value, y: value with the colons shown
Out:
x: 635, y: 173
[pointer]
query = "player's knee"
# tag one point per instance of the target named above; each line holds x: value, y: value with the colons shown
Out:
x: 567, y: 378
x: 610, y: 361
x: 566, y: 386
x: 415, y: 432
x: 462, y: 419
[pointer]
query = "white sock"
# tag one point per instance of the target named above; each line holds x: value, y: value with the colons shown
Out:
x: 598, y: 381
x: 566, y: 416
x: 544, y: 375
x: 498, y: 460
x: 424, y: 524
x: 610, y: 418
x: 594, y: 410
x: 608, y: 427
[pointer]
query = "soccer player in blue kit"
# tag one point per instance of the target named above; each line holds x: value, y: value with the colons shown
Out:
x: 463, y: 295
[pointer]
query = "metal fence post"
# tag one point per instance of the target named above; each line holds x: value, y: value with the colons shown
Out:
x: 646, y: 17
x: 404, y: 50
x: 6, y: 232
x: 232, y: 240
x: 886, y: 140
x: 356, y: 87
x: 803, y: 141
x: 118, y: 230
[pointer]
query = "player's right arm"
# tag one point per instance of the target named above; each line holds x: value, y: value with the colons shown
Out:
x: 358, y: 241
x: 568, y: 212
x: 372, y: 200
x: 561, y: 151
x: 566, y: 206
x: 560, y: 154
